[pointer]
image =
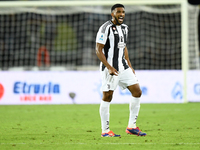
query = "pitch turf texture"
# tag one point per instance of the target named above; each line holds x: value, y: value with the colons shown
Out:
x: 63, y: 127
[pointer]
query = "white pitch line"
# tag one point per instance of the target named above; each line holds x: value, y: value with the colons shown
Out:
x: 102, y: 143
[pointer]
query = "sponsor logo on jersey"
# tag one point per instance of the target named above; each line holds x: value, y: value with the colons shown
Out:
x: 121, y: 43
x: 101, y: 38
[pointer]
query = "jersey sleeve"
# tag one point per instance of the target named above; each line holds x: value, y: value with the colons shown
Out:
x: 102, y: 35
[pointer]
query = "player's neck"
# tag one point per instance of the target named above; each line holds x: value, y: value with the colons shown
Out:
x: 115, y: 23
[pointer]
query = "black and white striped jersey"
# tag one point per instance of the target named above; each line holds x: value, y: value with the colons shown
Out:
x: 114, y: 38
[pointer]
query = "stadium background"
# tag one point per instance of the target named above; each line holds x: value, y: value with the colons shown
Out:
x: 71, y: 76
x: 42, y: 44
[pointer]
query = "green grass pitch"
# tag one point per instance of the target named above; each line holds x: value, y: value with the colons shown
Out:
x: 63, y: 127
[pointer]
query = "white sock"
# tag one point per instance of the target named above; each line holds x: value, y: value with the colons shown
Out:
x: 104, y: 114
x: 134, y: 108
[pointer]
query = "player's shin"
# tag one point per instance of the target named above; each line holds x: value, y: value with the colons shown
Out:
x: 134, y: 108
x: 104, y: 114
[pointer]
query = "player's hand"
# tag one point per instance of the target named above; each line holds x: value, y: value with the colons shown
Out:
x: 133, y: 70
x: 113, y: 71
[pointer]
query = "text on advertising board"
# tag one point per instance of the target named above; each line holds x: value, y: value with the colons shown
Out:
x: 35, y: 91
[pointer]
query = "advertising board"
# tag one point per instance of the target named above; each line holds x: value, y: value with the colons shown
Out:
x: 83, y: 87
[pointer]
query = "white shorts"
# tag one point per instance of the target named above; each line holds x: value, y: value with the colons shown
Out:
x: 124, y: 79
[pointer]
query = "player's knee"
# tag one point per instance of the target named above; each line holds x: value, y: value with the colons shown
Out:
x: 107, y: 97
x: 137, y: 93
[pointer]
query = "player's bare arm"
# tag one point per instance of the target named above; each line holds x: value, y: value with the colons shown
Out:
x: 127, y: 58
x: 102, y: 58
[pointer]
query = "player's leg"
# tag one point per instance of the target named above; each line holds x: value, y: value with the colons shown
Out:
x: 105, y: 114
x: 134, y: 108
x: 135, y: 90
x: 129, y: 80
x: 134, y: 105
x: 105, y: 110
x: 109, y: 84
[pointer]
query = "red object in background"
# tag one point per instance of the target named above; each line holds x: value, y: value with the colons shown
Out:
x: 41, y: 50
x: 1, y: 91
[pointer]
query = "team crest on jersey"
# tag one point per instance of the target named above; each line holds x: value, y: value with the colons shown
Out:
x: 115, y: 32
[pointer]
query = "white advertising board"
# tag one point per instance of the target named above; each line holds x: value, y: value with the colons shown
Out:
x: 193, y: 88
x: 83, y: 87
